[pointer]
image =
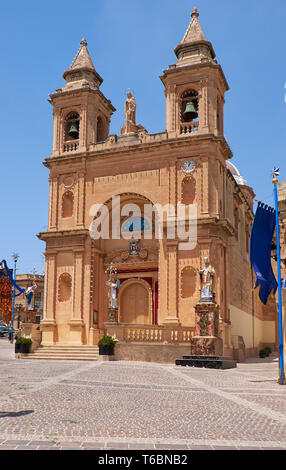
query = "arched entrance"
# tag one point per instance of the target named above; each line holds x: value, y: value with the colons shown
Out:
x: 135, y: 302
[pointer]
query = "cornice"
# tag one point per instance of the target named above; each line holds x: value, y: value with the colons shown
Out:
x: 209, y: 64
x: 63, y: 233
x: 81, y: 91
x: 141, y: 147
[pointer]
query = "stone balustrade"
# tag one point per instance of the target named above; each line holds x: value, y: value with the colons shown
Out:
x: 70, y: 146
x: 189, y: 128
x: 150, y: 333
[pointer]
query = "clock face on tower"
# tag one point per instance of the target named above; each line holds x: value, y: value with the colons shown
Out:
x: 188, y: 166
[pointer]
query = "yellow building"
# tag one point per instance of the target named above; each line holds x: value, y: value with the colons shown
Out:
x: 188, y: 164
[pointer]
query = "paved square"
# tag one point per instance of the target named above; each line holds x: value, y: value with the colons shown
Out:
x: 132, y: 405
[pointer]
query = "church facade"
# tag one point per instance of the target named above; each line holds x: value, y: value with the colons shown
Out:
x: 98, y: 179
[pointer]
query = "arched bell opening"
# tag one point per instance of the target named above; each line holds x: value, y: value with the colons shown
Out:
x: 71, y: 129
x: 189, y: 106
x: 101, y: 130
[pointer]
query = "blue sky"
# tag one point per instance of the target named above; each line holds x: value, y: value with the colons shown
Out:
x: 131, y: 43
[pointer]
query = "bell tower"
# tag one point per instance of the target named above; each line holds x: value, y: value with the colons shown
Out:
x: 194, y: 86
x: 81, y: 111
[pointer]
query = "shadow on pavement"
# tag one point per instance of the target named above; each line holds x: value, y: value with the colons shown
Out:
x: 13, y: 414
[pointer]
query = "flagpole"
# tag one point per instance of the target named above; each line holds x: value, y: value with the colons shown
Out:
x: 280, y: 320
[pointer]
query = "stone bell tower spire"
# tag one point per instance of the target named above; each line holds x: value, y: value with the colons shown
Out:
x: 194, y: 31
x: 82, y: 72
x: 194, y: 86
x: 194, y: 47
x: 81, y: 111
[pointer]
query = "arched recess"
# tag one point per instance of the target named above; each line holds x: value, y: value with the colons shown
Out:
x: 67, y: 204
x: 65, y: 287
x: 188, y: 191
x: 188, y: 282
x: 135, y: 302
x: 103, y: 218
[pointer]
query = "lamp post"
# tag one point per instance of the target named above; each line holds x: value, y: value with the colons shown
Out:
x: 15, y: 257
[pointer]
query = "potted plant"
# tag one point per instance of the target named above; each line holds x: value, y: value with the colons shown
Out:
x: 265, y: 352
x: 262, y: 354
x: 268, y: 351
x: 18, y: 343
x: 23, y: 345
x: 106, y: 345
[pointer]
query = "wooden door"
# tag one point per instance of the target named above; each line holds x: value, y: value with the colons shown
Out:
x: 134, y: 305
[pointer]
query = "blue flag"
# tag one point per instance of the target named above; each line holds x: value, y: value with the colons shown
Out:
x: 260, y: 250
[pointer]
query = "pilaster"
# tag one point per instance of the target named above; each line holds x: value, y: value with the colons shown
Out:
x: 172, y: 283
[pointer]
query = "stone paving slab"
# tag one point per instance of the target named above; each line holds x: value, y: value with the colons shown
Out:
x: 64, y: 405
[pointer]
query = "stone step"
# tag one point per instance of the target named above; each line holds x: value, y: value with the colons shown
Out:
x: 65, y: 353
x: 69, y: 346
x: 45, y: 349
x: 76, y: 353
x: 59, y: 357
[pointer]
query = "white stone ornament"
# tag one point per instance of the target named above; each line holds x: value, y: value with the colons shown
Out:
x: 188, y: 166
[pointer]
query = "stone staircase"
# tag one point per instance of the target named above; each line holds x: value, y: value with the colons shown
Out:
x: 71, y: 353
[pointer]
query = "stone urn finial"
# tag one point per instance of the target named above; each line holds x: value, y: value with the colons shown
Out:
x: 83, y: 42
x: 195, y: 13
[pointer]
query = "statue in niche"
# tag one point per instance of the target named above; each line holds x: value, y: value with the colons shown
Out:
x: 207, y: 276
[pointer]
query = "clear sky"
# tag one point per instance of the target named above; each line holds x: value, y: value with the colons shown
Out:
x: 131, y: 43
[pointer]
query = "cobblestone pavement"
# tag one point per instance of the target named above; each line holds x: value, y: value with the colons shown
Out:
x: 135, y: 405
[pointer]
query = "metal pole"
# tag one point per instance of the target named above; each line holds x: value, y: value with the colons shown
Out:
x: 16, y: 257
x: 280, y: 320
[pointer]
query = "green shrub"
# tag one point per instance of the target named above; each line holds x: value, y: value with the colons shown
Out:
x: 22, y: 340
x: 265, y: 352
x: 268, y: 351
x: 107, y: 341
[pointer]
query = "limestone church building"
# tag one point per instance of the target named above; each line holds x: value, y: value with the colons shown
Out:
x: 189, y: 163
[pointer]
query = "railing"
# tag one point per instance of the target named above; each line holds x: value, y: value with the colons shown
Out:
x: 70, y: 147
x: 189, y: 128
x: 156, y: 334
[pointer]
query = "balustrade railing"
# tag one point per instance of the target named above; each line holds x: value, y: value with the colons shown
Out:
x: 189, y: 127
x: 70, y: 146
x: 156, y: 334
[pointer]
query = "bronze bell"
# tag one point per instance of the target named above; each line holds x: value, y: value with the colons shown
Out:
x: 74, y: 130
x: 190, y: 111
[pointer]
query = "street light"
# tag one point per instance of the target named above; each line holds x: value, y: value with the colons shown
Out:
x: 15, y: 256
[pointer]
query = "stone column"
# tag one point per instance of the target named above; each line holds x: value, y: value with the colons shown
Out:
x: 53, y: 209
x: 95, y: 294
x: 48, y: 324
x: 204, y: 108
x: 76, y: 322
